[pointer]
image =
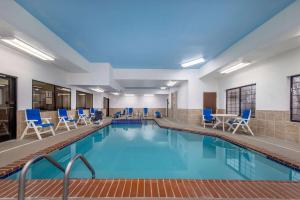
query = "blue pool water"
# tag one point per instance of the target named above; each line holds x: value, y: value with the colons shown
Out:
x: 148, y: 151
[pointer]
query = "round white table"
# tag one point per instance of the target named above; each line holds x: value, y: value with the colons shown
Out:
x: 223, y: 119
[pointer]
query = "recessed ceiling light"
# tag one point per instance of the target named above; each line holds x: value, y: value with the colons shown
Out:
x: 148, y: 95
x: 193, y: 62
x: 129, y: 95
x: 171, y: 83
x: 235, y: 67
x: 97, y: 89
x: 163, y: 88
x: 116, y: 93
x: 27, y: 48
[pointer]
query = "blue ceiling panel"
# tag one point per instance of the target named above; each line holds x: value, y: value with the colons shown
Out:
x: 152, y: 34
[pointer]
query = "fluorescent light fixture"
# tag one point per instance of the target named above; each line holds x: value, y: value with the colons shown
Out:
x: 128, y: 95
x: 97, y: 89
x: 193, y: 62
x: 116, y: 93
x: 27, y: 48
x: 235, y: 67
x: 148, y: 95
x: 81, y: 94
x: 171, y: 83
x: 163, y: 88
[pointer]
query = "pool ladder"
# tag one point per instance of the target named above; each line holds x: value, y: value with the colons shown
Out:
x: 22, y: 177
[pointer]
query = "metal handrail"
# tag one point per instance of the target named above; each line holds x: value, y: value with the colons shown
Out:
x: 22, y: 177
x: 68, y: 170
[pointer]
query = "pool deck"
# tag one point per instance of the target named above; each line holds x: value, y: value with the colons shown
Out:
x: 14, y: 154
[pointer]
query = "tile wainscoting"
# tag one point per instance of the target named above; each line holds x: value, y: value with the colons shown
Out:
x: 268, y: 123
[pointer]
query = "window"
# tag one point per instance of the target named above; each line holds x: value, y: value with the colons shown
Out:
x: 84, y: 100
x: 241, y: 98
x: 63, y: 97
x: 46, y: 96
x: 42, y: 95
x: 295, y: 98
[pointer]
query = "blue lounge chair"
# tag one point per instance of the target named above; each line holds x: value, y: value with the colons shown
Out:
x: 157, y: 114
x: 65, y: 120
x: 82, y: 117
x: 130, y: 112
x: 92, y: 112
x: 207, y: 117
x: 117, y: 114
x: 146, y: 112
x: 242, y: 122
x: 34, y: 121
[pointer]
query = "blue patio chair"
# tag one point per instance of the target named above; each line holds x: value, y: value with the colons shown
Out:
x: 92, y: 112
x: 65, y: 120
x: 82, y: 117
x: 130, y: 112
x: 207, y: 117
x: 117, y: 114
x: 146, y: 112
x: 157, y: 114
x: 242, y: 122
x: 34, y: 121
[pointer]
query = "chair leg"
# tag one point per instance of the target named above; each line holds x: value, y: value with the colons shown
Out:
x: 67, y: 126
x: 24, y: 133
x: 75, y: 124
x: 52, y: 130
x: 37, y: 132
x: 237, y: 127
x: 249, y: 129
x: 58, y: 124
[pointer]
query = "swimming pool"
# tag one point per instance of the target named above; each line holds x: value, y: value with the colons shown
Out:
x: 148, y: 151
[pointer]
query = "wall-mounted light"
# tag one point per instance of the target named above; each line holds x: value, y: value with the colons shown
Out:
x: 192, y: 62
x: 163, y: 88
x: 148, y: 95
x: 97, y: 89
x: 171, y: 83
x: 129, y: 95
x: 116, y: 93
x: 27, y: 48
x: 235, y: 67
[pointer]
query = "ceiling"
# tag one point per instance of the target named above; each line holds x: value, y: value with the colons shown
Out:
x: 152, y: 34
x: 144, y: 84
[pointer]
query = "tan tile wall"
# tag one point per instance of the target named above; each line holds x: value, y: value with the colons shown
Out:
x: 21, y: 124
x: 139, y: 110
x: 270, y: 123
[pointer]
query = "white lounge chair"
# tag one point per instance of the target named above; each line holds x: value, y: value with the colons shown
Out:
x: 242, y: 122
x: 34, y: 121
x: 82, y: 117
x: 65, y: 120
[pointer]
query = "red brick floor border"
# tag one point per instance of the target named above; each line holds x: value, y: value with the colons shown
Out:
x: 167, y: 188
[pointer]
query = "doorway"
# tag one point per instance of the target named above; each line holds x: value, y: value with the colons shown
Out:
x: 210, y: 100
x: 8, y: 107
x: 106, y: 106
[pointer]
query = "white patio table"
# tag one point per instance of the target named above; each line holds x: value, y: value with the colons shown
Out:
x: 223, y: 119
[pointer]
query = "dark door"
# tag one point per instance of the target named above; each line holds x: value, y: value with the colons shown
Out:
x: 106, y: 106
x: 210, y: 100
x: 8, y: 106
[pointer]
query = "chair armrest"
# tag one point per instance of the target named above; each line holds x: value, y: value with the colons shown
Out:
x: 46, y: 118
x: 31, y: 120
